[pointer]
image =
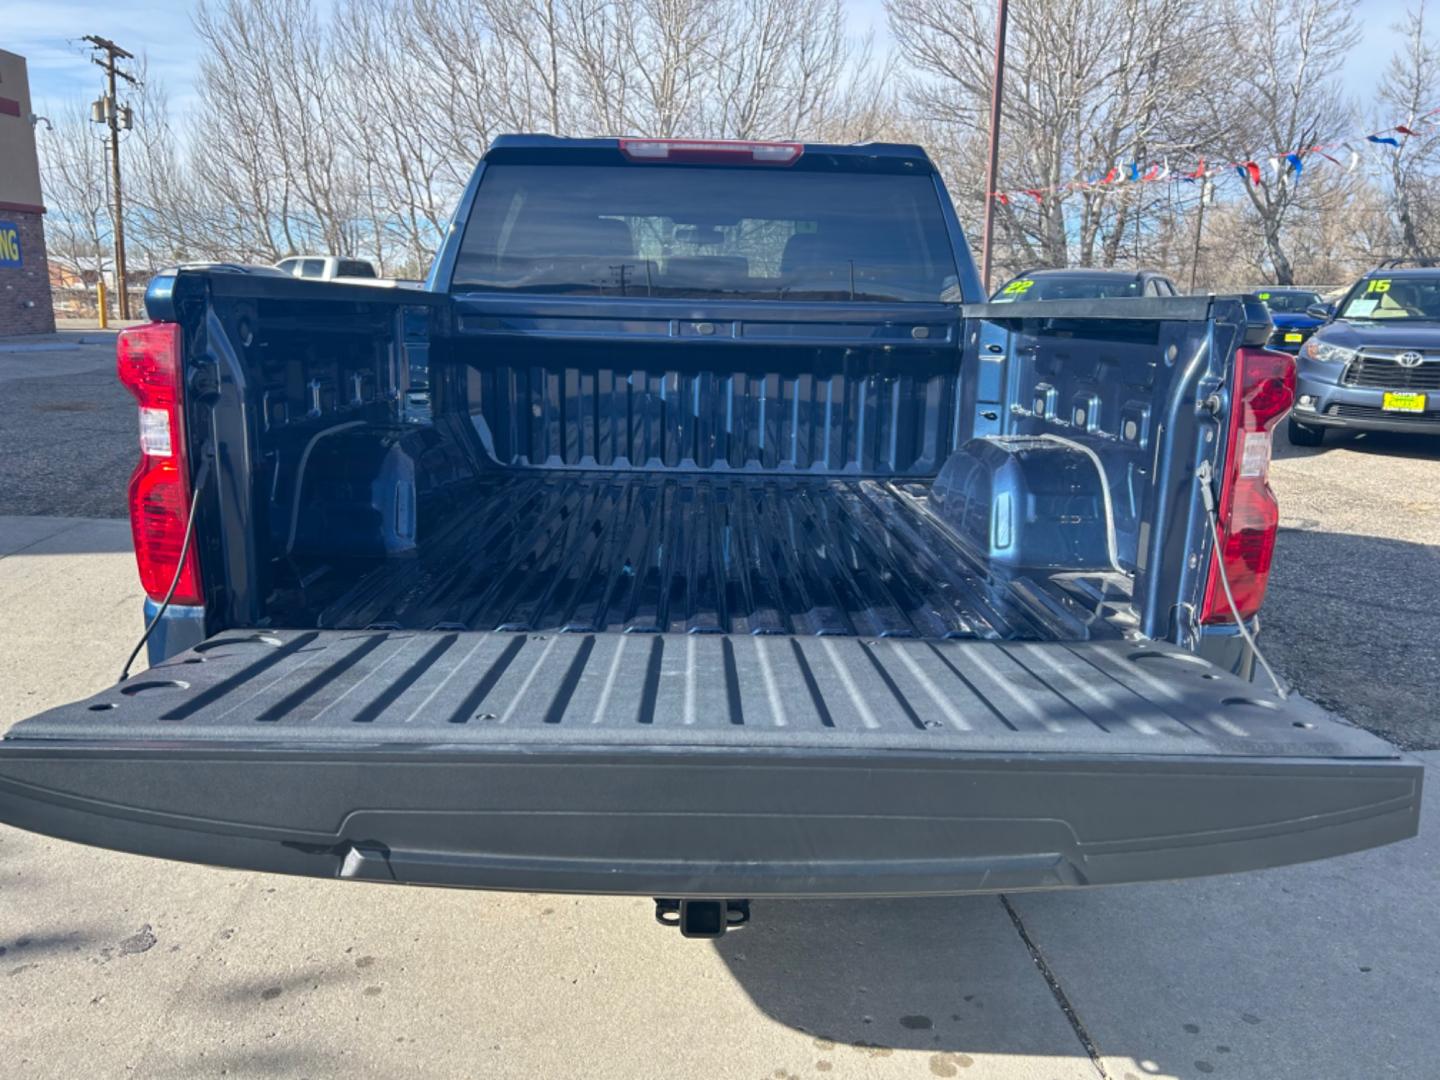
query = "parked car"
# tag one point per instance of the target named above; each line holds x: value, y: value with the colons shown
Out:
x: 732, y: 556
x: 327, y: 267
x: 1375, y: 363
x: 1290, y: 311
x: 1083, y: 284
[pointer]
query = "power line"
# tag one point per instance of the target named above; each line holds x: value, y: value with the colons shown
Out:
x: 109, y: 112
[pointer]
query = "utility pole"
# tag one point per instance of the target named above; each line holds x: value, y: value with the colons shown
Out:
x: 1002, y: 16
x: 108, y: 111
x: 1199, y: 228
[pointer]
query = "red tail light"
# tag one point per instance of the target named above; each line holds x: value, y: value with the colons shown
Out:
x: 713, y: 151
x: 148, y: 362
x: 1249, y: 514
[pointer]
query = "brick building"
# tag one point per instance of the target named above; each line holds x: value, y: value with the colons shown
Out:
x: 25, y: 305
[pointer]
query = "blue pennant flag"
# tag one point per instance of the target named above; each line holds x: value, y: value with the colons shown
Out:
x: 1383, y: 139
x: 1295, y: 163
x: 1134, y: 171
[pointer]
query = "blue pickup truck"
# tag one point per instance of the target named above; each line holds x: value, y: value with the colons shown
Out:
x: 734, y: 546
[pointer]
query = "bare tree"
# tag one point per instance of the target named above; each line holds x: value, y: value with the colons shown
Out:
x: 1091, y: 86
x: 76, y: 178
x: 269, y: 96
x: 1410, y: 88
x: 1281, y: 95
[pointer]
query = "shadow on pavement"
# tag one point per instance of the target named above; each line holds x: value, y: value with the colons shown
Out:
x: 1320, y: 970
x: 1324, y: 970
x: 949, y: 975
x: 1381, y: 443
x: 30, y: 537
x: 21, y: 948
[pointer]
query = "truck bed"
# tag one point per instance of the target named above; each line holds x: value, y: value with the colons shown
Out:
x: 689, y: 553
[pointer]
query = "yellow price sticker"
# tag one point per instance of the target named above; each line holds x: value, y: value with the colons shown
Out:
x: 1263, y: 295
x: 1016, y: 287
x: 1379, y: 285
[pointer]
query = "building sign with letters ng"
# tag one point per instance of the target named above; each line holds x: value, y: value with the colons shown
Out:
x: 9, y: 244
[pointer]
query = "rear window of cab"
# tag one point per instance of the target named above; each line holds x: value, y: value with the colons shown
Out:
x: 692, y: 232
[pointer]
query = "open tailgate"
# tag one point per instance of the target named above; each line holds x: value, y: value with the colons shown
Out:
x: 703, y: 765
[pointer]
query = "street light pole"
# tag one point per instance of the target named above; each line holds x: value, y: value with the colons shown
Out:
x: 111, y: 117
x: 1002, y: 16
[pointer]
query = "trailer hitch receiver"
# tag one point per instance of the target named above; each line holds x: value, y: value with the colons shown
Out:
x: 702, y: 918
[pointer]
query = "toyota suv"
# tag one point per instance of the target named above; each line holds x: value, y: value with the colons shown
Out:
x: 1375, y: 364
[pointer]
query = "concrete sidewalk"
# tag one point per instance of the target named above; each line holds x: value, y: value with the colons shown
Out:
x: 116, y: 965
x: 66, y: 352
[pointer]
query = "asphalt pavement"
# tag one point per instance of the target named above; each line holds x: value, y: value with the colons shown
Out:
x: 1351, y: 615
x: 67, y: 427
x: 112, y: 965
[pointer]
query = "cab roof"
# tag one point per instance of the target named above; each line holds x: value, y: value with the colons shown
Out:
x: 812, y: 157
x: 1401, y: 272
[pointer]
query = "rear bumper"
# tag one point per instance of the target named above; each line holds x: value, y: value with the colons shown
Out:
x: 712, y: 823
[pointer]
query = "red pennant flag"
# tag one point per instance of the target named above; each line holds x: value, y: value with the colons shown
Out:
x: 1253, y: 171
x: 1004, y: 199
x: 1110, y: 176
x: 1405, y: 130
x: 1198, y: 173
x: 1036, y: 194
x: 1152, y: 174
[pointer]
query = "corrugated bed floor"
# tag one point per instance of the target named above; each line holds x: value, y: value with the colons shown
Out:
x: 339, y: 686
x: 698, y: 554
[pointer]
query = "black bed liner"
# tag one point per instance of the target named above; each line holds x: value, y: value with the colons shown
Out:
x: 534, y: 549
x: 479, y: 688
x: 703, y: 765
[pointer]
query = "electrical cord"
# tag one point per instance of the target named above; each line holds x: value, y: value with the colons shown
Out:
x: 200, y: 479
x: 1212, y: 518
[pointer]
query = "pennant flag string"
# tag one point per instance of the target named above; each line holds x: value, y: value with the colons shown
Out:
x: 1136, y: 172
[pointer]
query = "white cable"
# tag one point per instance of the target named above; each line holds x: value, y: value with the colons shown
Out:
x: 300, y: 476
x: 1212, y: 517
x: 1111, y: 547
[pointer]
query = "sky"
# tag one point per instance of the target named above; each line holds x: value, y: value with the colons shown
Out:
x: 47, y: 33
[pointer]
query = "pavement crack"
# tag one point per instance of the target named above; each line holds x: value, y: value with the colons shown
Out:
x: 1057, y: 991
x: 69, y: 524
